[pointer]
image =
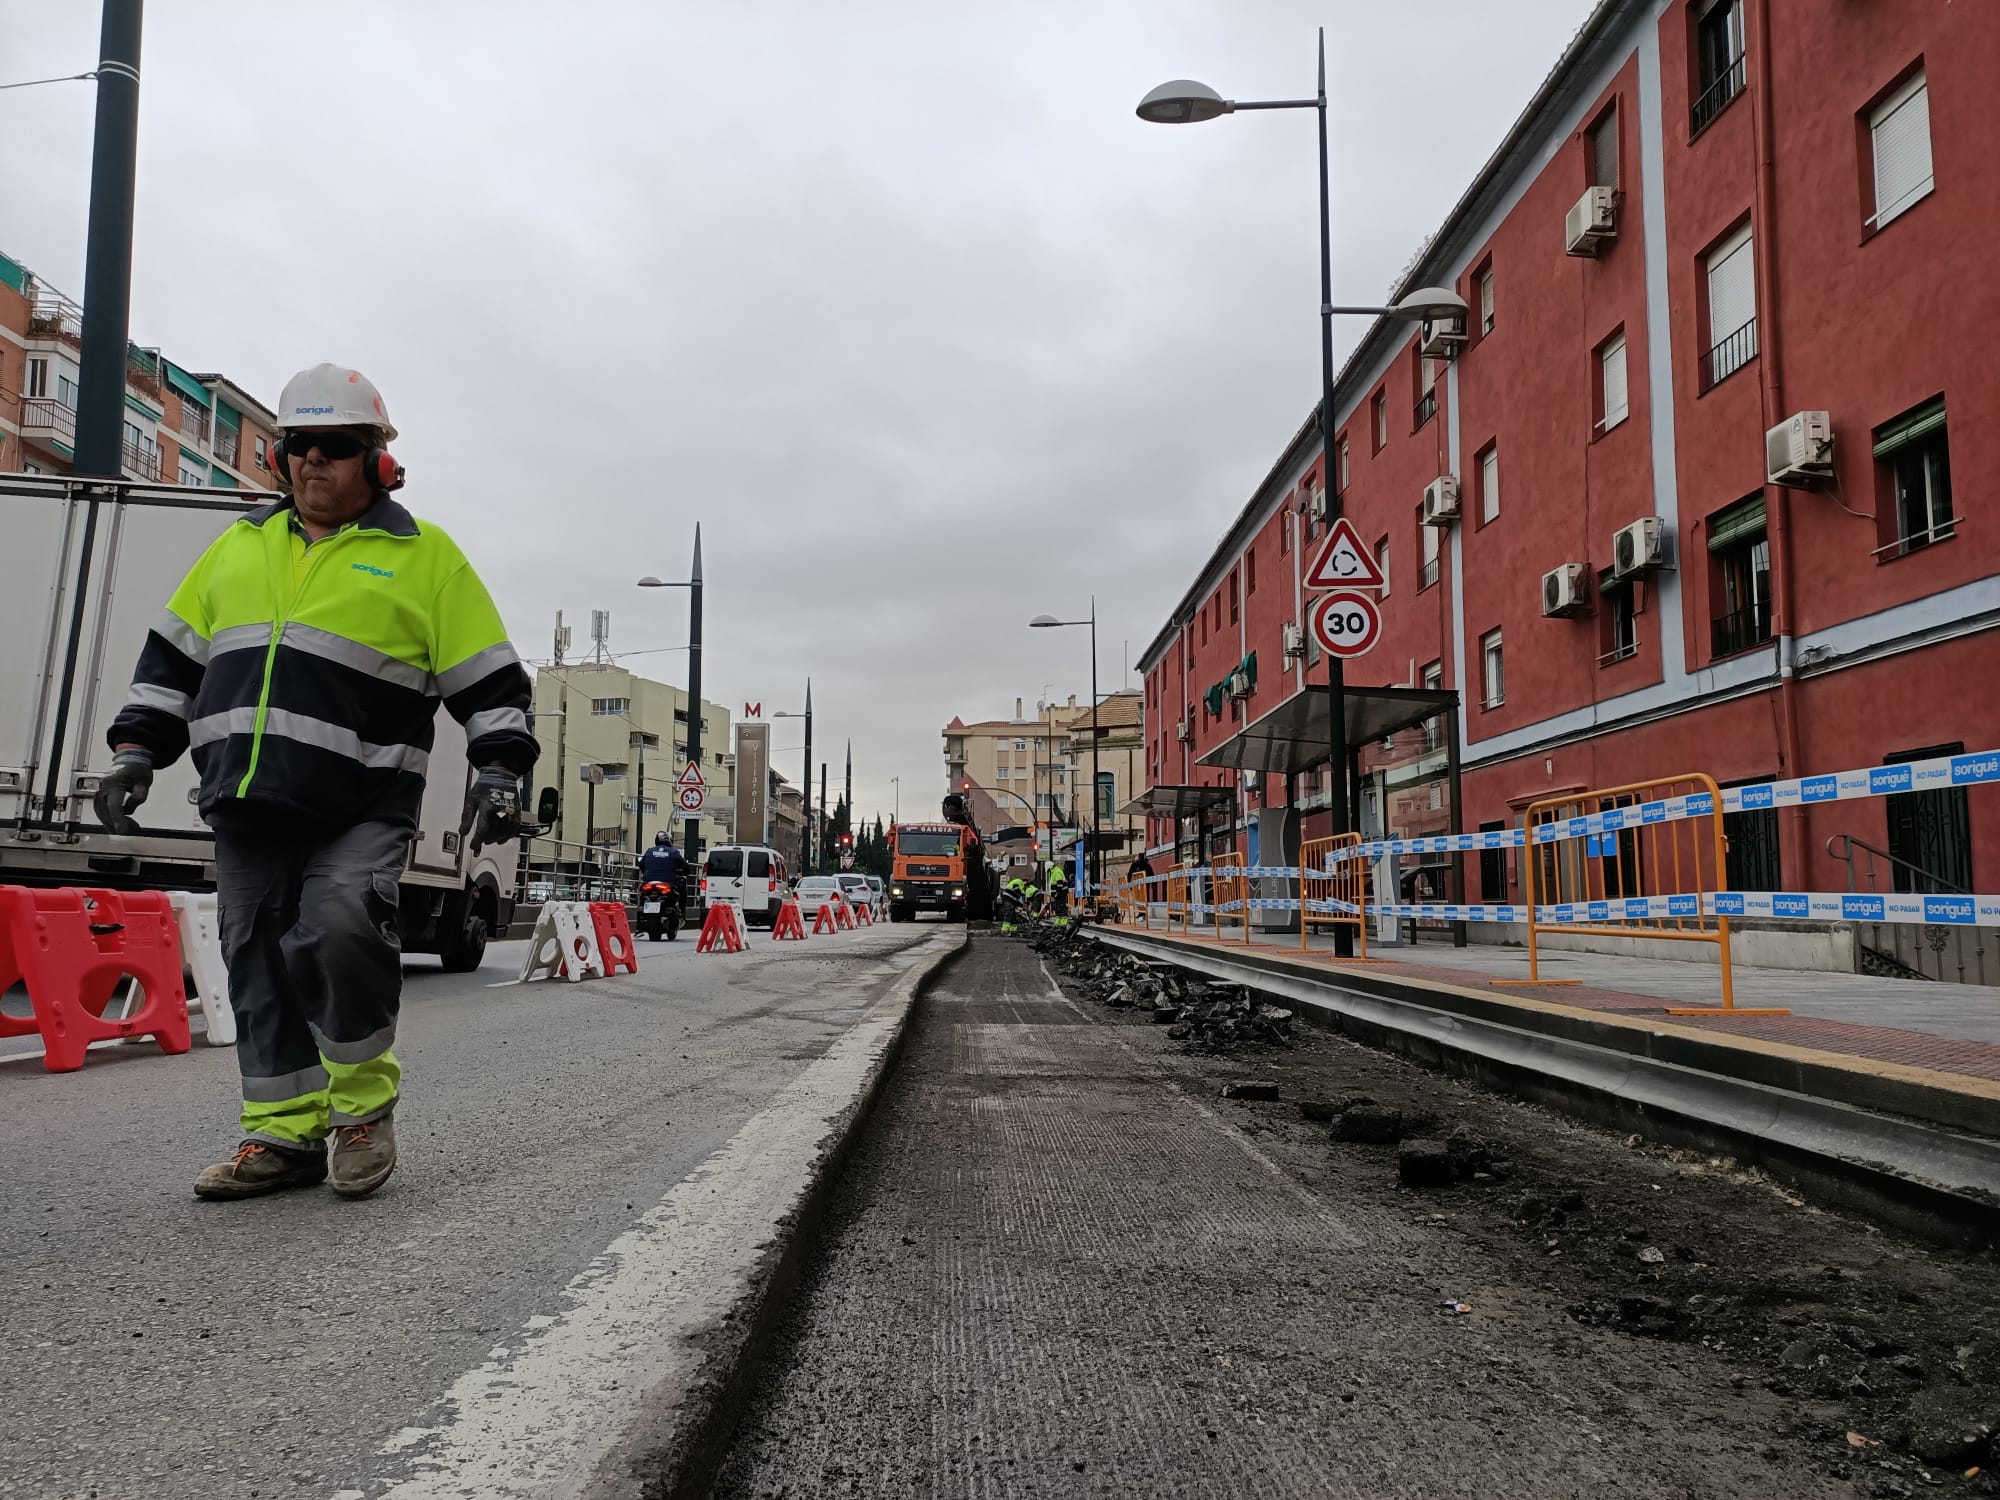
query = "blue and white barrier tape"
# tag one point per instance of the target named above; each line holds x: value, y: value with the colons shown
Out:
x: 1977, y: 769
x: 1783, y: 906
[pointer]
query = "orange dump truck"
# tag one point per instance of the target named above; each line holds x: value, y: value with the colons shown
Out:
x: 939, y: 866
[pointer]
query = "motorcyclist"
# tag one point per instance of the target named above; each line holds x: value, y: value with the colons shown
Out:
x: 663, y: 864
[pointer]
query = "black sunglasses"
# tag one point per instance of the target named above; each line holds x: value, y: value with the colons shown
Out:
x: 333, y: 444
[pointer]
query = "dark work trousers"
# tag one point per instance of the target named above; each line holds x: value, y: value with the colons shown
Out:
x: 315, y: 975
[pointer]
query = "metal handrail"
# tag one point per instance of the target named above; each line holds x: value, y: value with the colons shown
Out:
x: 1728, y: 84
x: 1849, y: 843
x: 1729, y: 354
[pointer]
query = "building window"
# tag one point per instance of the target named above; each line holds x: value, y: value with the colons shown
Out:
x: 1486, y: 300
x: 1204, y: 631
x: 1382, y: 565
x: 1732, y: 308
x: 1719, y: 71
x: 1250, y: 571
x: 1913, y: 487
x: 1492, y: 867
x: 38, y: 378
x: 1433, y: 680
x: 1620, y: 627
x: 1489, y: 484
x: 1427, y: 397
x: 1427, y: 539
x: 1604, y: 149
x: 1899, y: 133
x: 193, y: 478
x: 1020, y: 744
x: 1613, y: 400
x: 263, y: 453
x: 608, y: 706
x: 1751, y: 863
x: 1107, y: 795
x: 1381, y: 424
x: 614, y: 770
x: 1496, y: 669
x: 1285, y: 533
x: 1343, y: 464
x: 1004, y: 773
x: 1930, y: 832
x: 1740, y: 577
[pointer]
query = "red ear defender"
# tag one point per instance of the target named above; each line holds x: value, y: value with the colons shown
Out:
x: 382, y: 469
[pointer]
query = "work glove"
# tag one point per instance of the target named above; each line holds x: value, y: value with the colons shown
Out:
x: 492, y: 807
x: 122, y: 789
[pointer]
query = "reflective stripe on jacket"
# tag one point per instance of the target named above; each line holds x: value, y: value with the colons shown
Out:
x: 306, y: 678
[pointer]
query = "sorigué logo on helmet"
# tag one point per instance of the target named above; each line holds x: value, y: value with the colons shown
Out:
x: 312, y: 411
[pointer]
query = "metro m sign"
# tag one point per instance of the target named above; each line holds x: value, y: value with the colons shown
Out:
x: 753, y: 710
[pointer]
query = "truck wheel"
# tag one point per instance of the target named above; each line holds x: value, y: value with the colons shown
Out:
x: 899, y: 912
x: 463, y: 954
x: 955, y: 912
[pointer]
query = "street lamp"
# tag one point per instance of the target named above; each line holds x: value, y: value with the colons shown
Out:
x: 1050, y: 622
x: 693, y: 586
x: 1186, y: 102
x: 805, y: 834
x: 897, y: 783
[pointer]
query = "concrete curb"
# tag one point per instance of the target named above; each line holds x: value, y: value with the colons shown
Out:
x: 1936, y: 1183
x: 675, y: 1450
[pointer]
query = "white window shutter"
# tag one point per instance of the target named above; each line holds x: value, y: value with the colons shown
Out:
x: 1732, y: 289
x: 1615, y: 402
x: 1902, y: 134
x: 1489, y: 485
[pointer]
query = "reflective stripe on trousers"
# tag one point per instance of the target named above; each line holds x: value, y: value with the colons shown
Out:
x: 315, y: 975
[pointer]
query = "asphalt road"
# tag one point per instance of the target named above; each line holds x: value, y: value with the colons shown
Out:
x: 153, y: 1345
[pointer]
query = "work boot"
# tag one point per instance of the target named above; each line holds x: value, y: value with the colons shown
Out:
x: 363, y: 1157
x: 257, y: 1168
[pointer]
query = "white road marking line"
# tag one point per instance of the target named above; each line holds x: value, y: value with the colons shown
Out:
x: 536, y: 1419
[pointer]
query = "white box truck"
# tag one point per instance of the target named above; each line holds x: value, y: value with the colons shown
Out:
x: 72, y: 632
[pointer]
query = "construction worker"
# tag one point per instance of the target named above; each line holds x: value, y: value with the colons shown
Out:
x: 302, y: 660
x: 1057, y: 904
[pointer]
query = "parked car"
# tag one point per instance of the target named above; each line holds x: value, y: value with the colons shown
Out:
x: 816, y: 891
x: 750, y: 875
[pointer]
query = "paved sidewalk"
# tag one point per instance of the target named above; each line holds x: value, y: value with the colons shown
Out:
x: 1946, y: 1028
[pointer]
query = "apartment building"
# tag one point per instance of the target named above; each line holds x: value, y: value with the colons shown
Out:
x: 634, y: 731
x: 1700, y: 486
x: 181, y: 426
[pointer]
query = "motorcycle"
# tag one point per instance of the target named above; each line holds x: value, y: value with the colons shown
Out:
x: 659, y: 910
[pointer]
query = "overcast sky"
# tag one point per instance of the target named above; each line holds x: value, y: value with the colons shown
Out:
x: 896, y: 297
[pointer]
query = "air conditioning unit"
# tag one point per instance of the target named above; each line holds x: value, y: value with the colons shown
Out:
x: 1315, y: 503
x: 1295, y: 640
x: 1640, y: 547
x: 1440, y: 338
x: 1798, y: 452
x: 1183, y: 731
x: 1236, y: 685
x: 1592, y: 221
x: 1563, y: 590
x: 1441, y: 501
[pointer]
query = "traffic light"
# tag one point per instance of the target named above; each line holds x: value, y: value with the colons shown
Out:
x: 846, y: 842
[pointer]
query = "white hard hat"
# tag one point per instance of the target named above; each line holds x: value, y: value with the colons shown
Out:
x: 333, y: 396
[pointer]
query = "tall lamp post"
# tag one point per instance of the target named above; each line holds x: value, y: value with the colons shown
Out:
x: 897, y: 783
x: 693, y: 586
x: 806, y: 833
x: 1050, y: 622
x: 1185, y: 102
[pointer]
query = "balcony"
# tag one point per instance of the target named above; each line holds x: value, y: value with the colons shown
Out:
x: 143, y: 463
x: 1425, y: 409
x: 194, y: 422
x: 1715, y: 98
x: 227, y: 442
x: 1427, y: 575
x: 1729, y: 356
x: 1740, y: 629
x: 43, y: 418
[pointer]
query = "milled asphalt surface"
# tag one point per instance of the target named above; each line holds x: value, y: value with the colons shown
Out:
x: 1059, y: 1265
x: 155, y: 1346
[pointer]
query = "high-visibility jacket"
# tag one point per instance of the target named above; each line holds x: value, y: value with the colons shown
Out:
x: 306, y: 678
x: 1057, y: 875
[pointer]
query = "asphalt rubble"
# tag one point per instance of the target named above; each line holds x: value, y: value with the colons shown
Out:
x: 1886, y: 1349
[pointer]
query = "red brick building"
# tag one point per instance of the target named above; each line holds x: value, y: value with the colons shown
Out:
x: 180, y: 427
x: 1714, y: 216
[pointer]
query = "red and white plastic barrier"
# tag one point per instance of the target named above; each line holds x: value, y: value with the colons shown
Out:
x: 791, y: 922
x: 73, y: 948
x: 613, y: 930
x: 722, y: 930
x: 564, y: 944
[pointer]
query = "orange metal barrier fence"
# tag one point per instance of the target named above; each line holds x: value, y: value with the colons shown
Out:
x: 1611, y: 882
x: 1347, y: 883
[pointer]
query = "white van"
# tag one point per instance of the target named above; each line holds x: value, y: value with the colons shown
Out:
x: 751, y: 876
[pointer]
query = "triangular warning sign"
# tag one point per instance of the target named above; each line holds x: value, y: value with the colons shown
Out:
x: 1344, y: 563
x: 690, y: 777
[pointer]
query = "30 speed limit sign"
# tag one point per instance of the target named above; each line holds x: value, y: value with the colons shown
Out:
x: 1347, y: 623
